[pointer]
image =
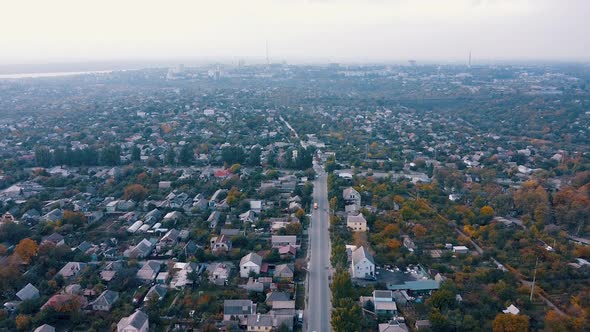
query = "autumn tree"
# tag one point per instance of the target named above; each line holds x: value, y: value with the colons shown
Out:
x: 419, y: 230
x: 22, y: 322
x: 572, y: 208
x: 555, y: 322
x: 235, y: 168
x: 510, y: 323
x: 26, y: 249
x: 293, y: 228
x: 77, y: 219
x: 533, y: 200
x: 487, y: 211
x: 135, y: 192
x: 393, y: 244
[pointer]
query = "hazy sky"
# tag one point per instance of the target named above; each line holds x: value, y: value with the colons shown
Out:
x: 325, y: 30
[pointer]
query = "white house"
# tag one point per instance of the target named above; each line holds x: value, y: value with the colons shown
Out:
x: 363, y: 265
x: 250, y: 263
x: 460, y: 249
x: 136, y: 322
x: 28, y: 292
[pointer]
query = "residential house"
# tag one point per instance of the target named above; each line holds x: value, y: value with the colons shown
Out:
x: 213, y: 219
x: 28, y: 292
x: 173, y: 217
x: 363, y: 265
x: 220, y: 243
x: 260, y: 323
x: 230, y: 232
x: 278, y: 241
x: 148, y: 271
x: 169, y: 240
x: 141, y: 250
x: 73, y: 289
x: 256, y: 206
x: 71, y: 269
x: 250, y: 263
x: 219, y: 273
x: 393, y: 326
x: 460, y: 249
x: 216, y: 197
x: 162, y: 278
x: 253, y: 285
x: 408, y: 243
x: 54, y: 238
x: 200, y: 203
x: 384, y: 303
x: 276, y: 296
x: 284, y: 271
x: 45, y: 328
x: 356, y: 223
x: 152, y: 217
x: 94, y: 216
x: 512, y: 309
x: 351, y: 198
x: 7, y: 217
x: 105, y: 301
x: 277, y: 223
x: 416, y: 286
x: 238, y: 309
x: 287, y: 252
x: 110, y: 270
x: 52, y: 216
x: 136, y: 322
x: 157, y: 292
x: 181, y: 276
x: 248, y: 217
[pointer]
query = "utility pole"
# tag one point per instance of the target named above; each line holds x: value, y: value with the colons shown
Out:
x: 534, y: 278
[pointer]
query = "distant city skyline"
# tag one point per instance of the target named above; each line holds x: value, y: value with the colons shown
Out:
x: 296, y: 31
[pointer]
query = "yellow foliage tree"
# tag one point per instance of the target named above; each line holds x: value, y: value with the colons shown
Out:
x: 26, y: 249
x: 22, y: 322
x: 487, y: 211
x: 510, y: 323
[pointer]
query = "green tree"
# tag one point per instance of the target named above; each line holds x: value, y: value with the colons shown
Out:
x: 347, y: 317
x: 43, y: 156
x: 341, y: 286
x: 187, y: 155
x: 170, y: 157
x: 135, y: 153
x: 111, y: 155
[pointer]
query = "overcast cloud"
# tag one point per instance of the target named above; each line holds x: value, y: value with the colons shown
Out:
x: 296, y: 30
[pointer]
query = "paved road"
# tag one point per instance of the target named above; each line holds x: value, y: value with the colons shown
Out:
x: 319, y: 304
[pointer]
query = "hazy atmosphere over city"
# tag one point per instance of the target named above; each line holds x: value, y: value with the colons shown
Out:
x: 296, y: 30
x: 286, y: 165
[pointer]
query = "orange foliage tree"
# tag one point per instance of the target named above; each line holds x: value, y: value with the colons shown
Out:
x: 510, y: 323
x: 26, y: 249
x: 135, y: 192
x: 22, y: 322
x: 533, y: 200
x: 419, y: 230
